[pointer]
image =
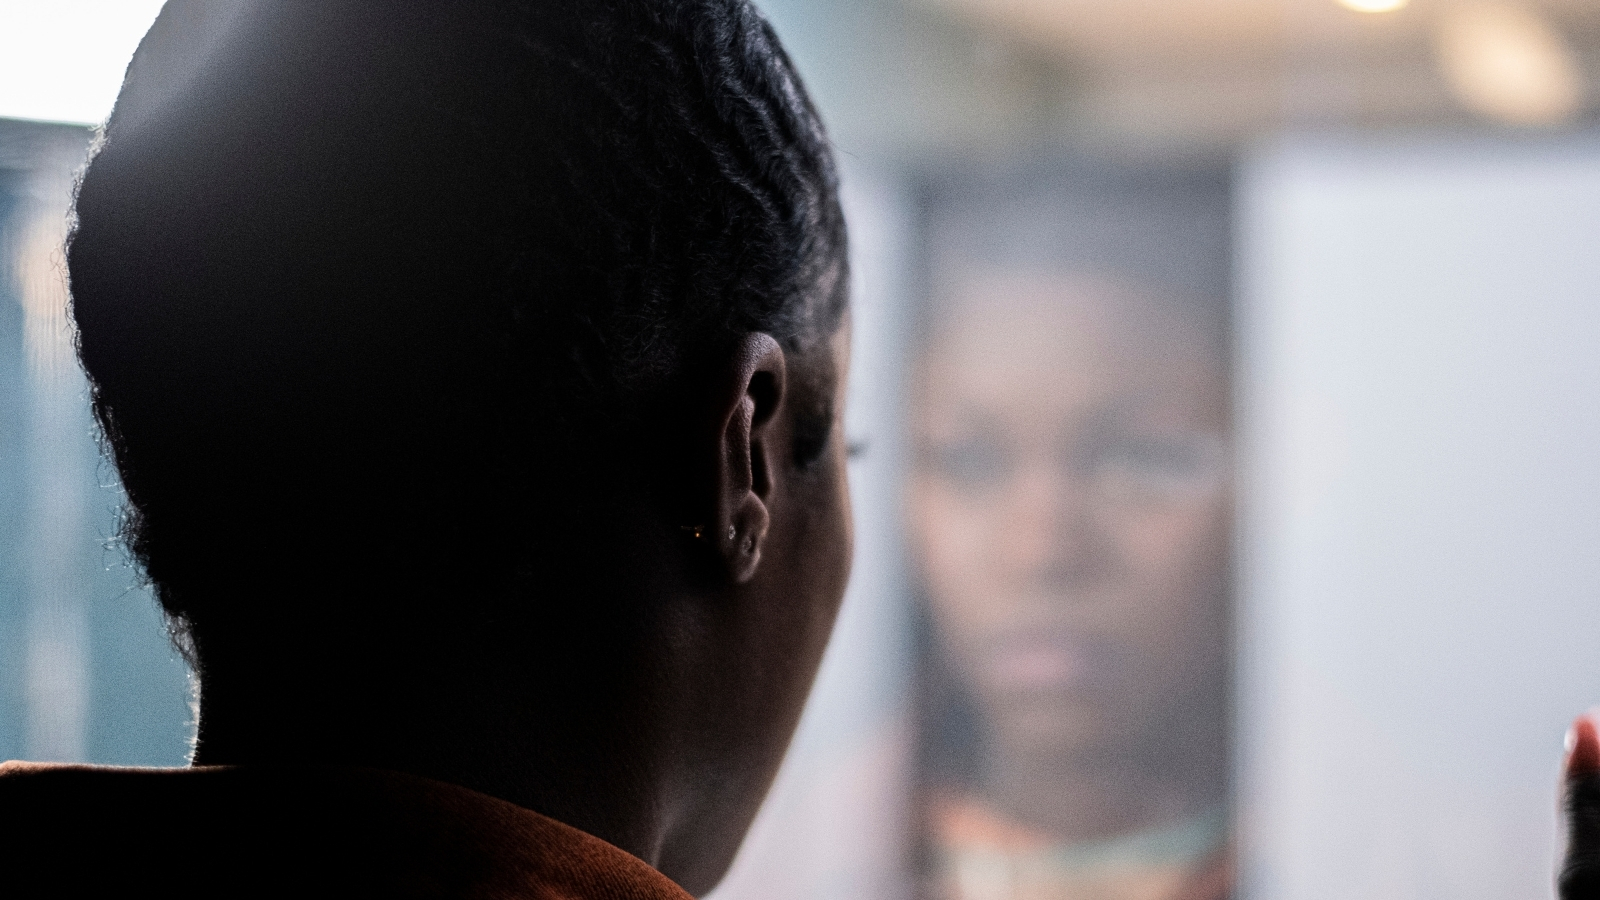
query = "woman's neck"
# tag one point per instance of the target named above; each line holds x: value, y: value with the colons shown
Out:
x: 1168, y: 776
x: 571, y: 758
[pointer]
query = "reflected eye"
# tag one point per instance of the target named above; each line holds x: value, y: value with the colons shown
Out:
x: 971, y: 463
x: 1165, y: 468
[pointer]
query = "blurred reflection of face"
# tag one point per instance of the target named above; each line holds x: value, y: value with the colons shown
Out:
x: 1070, y: 508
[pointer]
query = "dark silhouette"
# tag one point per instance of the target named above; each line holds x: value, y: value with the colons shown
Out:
x: 1579, y: 876
x: 474, y: 373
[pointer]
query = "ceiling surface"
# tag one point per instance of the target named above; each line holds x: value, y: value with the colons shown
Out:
x: 1214, y: 70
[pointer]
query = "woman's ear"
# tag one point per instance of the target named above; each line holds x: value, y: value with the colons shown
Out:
x: 748, y: 452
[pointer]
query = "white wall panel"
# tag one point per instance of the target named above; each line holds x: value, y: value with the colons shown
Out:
x: 1420, y: 556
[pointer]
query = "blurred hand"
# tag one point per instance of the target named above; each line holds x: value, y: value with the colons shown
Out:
x: 1580, y: 872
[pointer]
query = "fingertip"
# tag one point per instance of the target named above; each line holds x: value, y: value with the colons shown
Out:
x: 1583, y: 748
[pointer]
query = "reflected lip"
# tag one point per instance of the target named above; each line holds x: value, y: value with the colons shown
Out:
x: 1050, y: 662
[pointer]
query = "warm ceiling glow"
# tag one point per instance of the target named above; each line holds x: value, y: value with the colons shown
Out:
x: 62, y: 60
x: 1373, y: 6
x: 1504, y: 62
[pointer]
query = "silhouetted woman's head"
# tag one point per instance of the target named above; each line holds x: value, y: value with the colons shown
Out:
x: 379, y: 305
x: 473, y: 370
x: 474, y: 373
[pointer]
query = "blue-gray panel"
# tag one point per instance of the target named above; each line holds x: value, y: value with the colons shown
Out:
x: 137, y: 709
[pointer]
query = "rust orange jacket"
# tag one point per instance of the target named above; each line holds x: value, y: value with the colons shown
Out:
x: 70, y: 831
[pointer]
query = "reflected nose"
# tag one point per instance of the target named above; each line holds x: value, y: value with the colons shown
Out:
x: 1053, y: 535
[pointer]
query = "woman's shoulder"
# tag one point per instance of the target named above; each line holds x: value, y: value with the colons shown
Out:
x: 304, y: 831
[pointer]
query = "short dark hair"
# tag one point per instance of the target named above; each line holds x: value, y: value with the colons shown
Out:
x: 1161, y: 230
x: 353, y: 282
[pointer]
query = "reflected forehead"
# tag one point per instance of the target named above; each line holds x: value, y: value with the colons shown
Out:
x: 1047, y: 342
x: 1056, y: 316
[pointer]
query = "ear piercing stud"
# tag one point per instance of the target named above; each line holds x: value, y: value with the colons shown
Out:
x: 698, y: 532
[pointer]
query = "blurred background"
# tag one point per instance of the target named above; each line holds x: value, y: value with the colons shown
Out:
x: 1228, y: 373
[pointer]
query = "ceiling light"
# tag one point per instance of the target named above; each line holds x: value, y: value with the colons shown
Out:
x: 1373, y: 6
x: 1504, y: 62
